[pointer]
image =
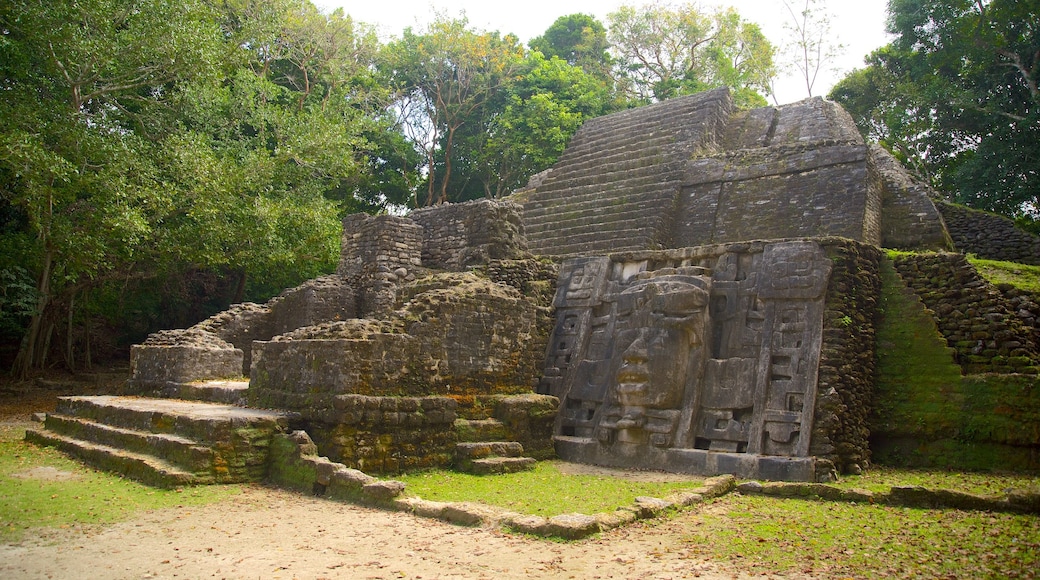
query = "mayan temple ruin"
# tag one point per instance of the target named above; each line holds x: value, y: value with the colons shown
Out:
x: 691, y: 288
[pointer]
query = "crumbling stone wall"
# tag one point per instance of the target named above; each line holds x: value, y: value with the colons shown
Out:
x: 457, y: 236
x: 989, y: 236
x: 986, y: 330
x: 847, y: 357
x: 454, y: 334
x: 221, y: 346
x: 911, y: 220
x: 379, y: 253
x: 388, y: 434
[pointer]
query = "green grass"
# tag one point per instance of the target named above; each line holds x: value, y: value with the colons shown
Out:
x: 1020, y: 276
x: 762, y: 534
x: 881, y: 478
x: 87, y: 497
x: 545, y: 491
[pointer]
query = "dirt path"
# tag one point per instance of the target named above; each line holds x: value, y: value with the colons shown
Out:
x: 269, y: 533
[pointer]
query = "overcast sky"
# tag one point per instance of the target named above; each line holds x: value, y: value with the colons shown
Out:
x: 857, y: 24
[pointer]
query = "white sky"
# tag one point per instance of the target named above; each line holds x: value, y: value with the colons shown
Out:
x: 857, y: 24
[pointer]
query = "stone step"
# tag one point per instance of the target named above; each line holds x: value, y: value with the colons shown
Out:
x: 643, y: 121
x: 603, y: 188
x: 139, y: 467
x: 482, y: 449
x: 225, y: 392
x: 476, y: 430
x: 201, y: 421
x: 595, y: 217
x: 180, y: 451
x: 632, y: 239
x: 632, y: 147
x: 497, y: 465
x: 215, y: 443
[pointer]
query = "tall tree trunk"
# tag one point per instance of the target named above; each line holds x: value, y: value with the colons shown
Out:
x: 70, y: 350
x: 28, y: 353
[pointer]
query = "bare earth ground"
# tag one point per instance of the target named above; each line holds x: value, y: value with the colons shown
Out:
x: 271, y: 533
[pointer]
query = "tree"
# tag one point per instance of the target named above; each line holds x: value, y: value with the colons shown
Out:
x: 956, y: 94
x: 81, y: 81
x: 580, y: 40
x: 662, y: 52
x: 811, y: 47
x: 147, y: 140
x: 533, y: 119
x: 445, y: 78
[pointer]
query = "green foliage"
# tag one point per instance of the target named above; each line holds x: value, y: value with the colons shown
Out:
x: 955, y: 96
x: 581, y: 41
x: 662, y: 52
x: 153, y: 139
x: 545, y: 491
x: 83, y: 497
x: 763, y: 534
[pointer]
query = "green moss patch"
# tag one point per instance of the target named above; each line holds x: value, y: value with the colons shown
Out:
x: 1021, y: 276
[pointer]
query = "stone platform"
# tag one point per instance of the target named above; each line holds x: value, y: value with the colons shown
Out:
x: 164, y: 442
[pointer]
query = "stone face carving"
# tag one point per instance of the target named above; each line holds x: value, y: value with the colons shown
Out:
x: 710, y: 349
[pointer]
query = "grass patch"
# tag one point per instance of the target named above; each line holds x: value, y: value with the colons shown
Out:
x: 545, y: 491
x: 770, y: 535
x: 1021, y: 276
x: 32, y: 497
x: 880, y: 478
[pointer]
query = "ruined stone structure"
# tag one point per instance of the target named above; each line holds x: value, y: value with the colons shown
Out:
x: 693, y: 170
x: 709, y: 308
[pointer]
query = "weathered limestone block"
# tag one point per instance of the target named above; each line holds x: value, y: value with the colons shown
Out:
x: 691, y: 171
x: 456, y: 236
x: 183, y: 356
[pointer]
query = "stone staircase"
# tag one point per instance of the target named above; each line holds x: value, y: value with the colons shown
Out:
x: 492, y: 457
x: 623, y: 173
x: 481, y: 451
x: 164, y: 442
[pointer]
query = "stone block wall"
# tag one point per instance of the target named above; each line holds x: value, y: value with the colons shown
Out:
x: 911, y: 220
x: 928, y: 415
x: 388, y: 434
x: 457, y: 236
x: 989, y: 236
x: 848, y: 357
x: 795, y: 171
x: 382, y: 243
x: 454, y: 334
x: 209, y: 349
x: 989, y: 333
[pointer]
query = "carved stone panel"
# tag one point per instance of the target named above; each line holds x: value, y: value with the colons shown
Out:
x: 710, y: 350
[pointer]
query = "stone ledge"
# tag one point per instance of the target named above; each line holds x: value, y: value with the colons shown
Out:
x: 296, y: 465
x: 1016, y: 501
